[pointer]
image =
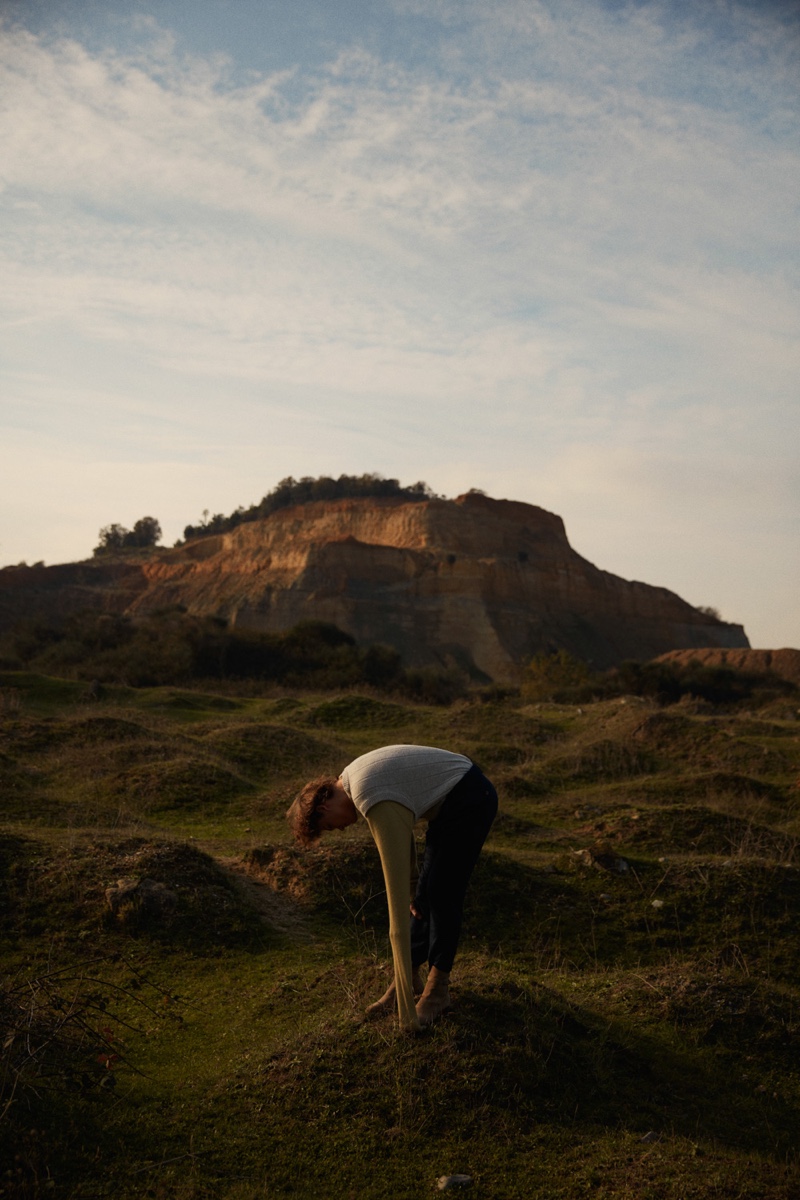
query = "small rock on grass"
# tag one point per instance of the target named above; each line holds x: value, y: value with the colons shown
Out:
x: 603, y: 858
x: 453, y: 1181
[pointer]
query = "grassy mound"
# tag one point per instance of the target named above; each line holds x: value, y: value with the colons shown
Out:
x: 63, y: 892
x: 268, y: 749
x: 358, y: 712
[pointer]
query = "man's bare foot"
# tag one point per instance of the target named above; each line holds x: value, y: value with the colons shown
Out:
x: 386, y: 1004
x: 388, y: 1001
x: 436, y: 998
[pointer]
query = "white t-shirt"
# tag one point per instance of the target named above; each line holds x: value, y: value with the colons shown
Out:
x: 415, y: 776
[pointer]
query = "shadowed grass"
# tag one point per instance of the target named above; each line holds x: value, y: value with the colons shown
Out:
x: 594, y: 1007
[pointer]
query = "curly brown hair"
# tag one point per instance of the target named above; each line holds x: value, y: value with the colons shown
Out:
x: 304, y: 813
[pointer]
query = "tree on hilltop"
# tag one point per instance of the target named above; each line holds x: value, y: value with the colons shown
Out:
x: 116, y: 538
x: 146, y: 532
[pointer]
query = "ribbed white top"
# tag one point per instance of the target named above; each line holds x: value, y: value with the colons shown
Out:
x: 415, y: 776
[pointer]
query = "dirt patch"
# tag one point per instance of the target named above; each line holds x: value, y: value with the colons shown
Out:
x: 278, y: 911
x: 344, y: 881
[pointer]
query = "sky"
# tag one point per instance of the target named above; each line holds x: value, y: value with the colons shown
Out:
x: 547, y: 250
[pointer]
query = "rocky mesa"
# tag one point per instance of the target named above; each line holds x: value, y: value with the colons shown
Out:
x: 479, y: 583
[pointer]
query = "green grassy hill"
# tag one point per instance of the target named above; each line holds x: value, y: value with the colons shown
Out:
x: 627, y: 996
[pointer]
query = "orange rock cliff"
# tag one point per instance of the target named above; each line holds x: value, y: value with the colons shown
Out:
x: 479, y: 583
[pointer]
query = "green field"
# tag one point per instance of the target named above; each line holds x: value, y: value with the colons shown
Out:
x: 627, y: 1003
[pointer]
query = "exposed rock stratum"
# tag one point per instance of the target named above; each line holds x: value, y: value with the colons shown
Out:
x: 479, y: 583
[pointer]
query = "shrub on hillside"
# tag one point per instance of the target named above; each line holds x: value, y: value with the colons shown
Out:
x: 559, y: 677
x: 668, y: 683
x: 172, y: 647
x: 62, y: 1037
x: 563, y: 679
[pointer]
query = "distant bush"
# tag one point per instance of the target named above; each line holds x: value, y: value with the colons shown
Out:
x: 116, y: 538
x: 172, y: 647
x: 430, y: 685
x: 556, y: 676
x: 669, y: 682
x: 303, y: 491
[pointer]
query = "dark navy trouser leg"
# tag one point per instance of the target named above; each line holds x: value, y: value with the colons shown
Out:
x: 452, y: 846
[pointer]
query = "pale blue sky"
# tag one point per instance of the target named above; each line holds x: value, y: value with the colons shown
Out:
x: 547, y: 250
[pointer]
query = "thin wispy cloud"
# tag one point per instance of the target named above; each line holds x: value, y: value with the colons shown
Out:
x: 558, y: 236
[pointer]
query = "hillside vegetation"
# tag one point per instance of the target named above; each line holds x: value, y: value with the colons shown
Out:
x: 306, y: 490
x: 116, y: 539
x: 172, y: 646
x: 182, y: 989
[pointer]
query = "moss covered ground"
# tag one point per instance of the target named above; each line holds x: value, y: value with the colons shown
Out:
x: 627, y: 1002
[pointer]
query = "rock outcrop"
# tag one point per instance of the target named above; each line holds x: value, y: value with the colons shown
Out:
x: 474, y: 582
x: 783, y: 663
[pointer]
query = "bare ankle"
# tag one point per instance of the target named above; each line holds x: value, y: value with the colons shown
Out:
x: 435, y: 1000
x: 437, y: 979
x: 386, y: 1004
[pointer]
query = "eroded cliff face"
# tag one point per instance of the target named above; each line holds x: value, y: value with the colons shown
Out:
x: 480, y: 583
